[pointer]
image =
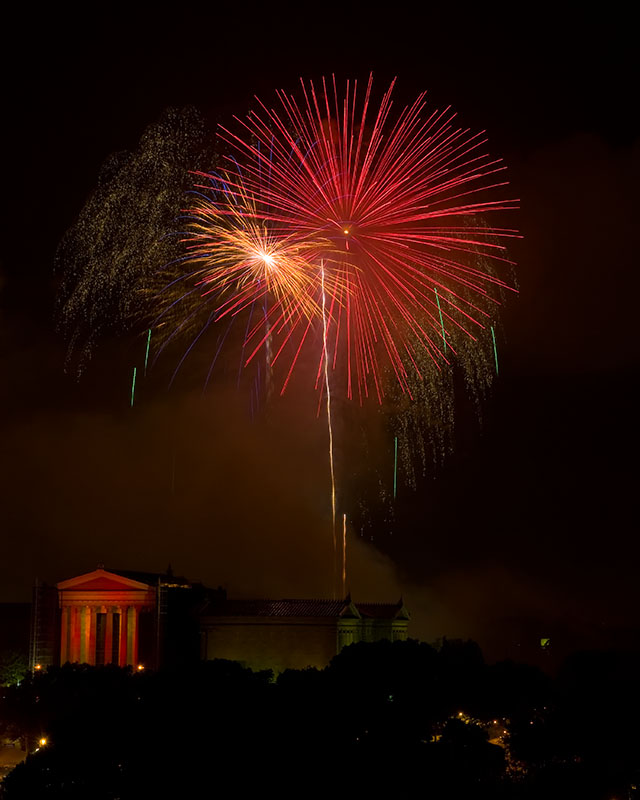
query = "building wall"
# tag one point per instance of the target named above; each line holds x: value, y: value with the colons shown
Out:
x: 267, y: 643
x: 290, y: 643
x: 351, y: 631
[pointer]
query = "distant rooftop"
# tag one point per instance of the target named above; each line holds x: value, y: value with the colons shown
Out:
x: 304, y: 608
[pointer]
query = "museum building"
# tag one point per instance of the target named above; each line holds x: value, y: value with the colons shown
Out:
x: 157, y: 619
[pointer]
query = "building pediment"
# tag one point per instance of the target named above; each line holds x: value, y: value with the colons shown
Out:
x: 99, y: 580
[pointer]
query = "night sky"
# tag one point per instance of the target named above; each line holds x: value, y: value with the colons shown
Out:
x: 531, y: 524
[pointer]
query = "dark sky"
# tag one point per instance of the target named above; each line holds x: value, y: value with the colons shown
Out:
x: 534, y: 517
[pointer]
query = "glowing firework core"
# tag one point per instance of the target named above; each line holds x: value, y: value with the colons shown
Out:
x: 268, y: 259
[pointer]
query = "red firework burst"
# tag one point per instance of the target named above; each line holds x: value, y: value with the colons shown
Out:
x: 392, y: 210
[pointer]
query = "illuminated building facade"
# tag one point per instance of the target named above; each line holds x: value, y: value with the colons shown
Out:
x: 148, y: 619
x: 113, y: 617
x: 100, y: 617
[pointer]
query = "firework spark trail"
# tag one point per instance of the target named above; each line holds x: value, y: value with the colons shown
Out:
x: 328, y: 391
x: 444, y: 336
x: 344, y: 555
x: 495, y: 349
x: 133, y: 386
x: 146, y: 355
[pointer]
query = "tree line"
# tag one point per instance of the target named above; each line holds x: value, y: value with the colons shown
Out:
x: 401, y: 717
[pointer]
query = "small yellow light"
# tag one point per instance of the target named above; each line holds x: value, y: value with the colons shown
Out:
x: 346, y: 231
x: 140, y: 667
x: 38, y: 666
x: 42, y: 742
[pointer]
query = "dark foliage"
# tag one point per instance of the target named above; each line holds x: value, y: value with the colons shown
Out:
x: 381, y: 717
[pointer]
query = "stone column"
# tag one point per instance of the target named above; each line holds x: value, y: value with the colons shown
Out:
x: 108, y: 636
x: 74, y: 634
x: 77, y: 633
x: 85, y: 633
x: 122, y: 655
x: 93, y: 630
x: 64, y: 634
x: 132, y: 635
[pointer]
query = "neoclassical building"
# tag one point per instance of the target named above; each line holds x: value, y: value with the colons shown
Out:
x: 100, y: 616
x: 143, y: 619
x: 111, y: 617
